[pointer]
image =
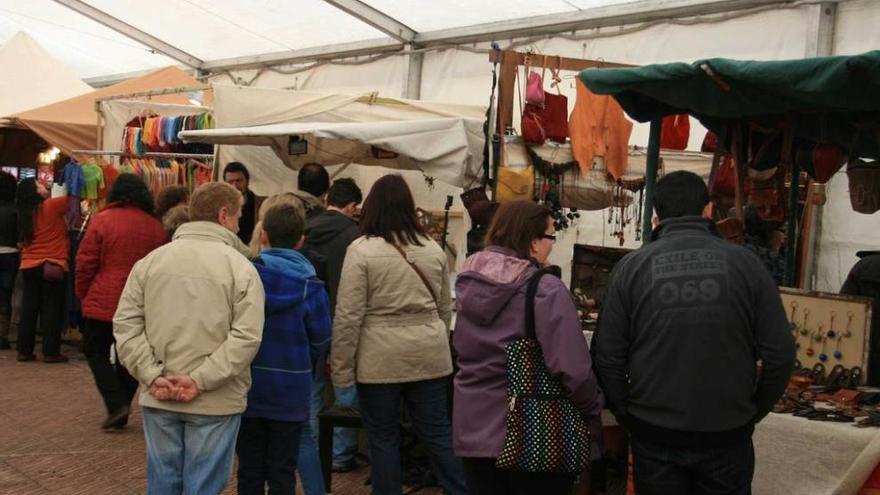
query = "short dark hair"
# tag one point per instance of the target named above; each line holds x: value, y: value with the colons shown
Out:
x: 343, y: 192
x: 129, y: 189
x: 236, y: 167
x: 283, y: 224
x: 169, y: 197
x: 680, y: 194
x: 313, y: 179
x: 8, y: 184
x: 516, y: 224
x: 389, y: 212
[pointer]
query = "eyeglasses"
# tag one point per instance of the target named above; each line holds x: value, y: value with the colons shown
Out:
x: 551, y: 237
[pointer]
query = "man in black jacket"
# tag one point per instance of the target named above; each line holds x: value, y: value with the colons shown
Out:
x: 864, y: 280
x: 685, y: 322
x: 328, y: 235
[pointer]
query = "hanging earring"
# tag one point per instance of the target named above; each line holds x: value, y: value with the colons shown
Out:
x: 848, y: 332
x: 804, y: 330
x: 819, y: 334
x: 791, y: 322
x: 837, y: 353
x: 831, y: 333
x: 822, y: 356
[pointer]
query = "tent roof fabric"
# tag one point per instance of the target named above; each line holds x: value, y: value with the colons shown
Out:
x: 838, y: 94
x: 32, y: 78
x: 72, y: 124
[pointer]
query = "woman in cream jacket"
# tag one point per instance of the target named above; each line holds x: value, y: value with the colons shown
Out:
x: 391, y: 335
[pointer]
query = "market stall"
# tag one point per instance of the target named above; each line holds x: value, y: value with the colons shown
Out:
x: 781, y: 124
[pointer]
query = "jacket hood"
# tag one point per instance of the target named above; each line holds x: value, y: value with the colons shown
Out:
x: 288, y: 278
x: 488, y: 281
x: 325, y: 227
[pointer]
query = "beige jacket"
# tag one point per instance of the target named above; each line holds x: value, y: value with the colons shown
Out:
x: 387, y: 328
x: 193, y: 307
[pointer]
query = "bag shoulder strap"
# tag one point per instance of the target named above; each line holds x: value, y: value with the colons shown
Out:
x: 419, y: 272
x: 531, y: 292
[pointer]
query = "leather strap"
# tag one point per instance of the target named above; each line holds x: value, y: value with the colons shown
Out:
x: 419, y: 272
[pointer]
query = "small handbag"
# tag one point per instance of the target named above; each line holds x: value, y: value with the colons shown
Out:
x: 675, y: 132
x: 864, y: 186
x: 515, y: 183
x: 52, y: 272
x: 545, y: 432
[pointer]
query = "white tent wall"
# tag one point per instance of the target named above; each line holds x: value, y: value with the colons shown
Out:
x: 462, y: 76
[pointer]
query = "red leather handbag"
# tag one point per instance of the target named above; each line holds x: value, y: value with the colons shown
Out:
x: 532, y: 125
x: 556, y: 117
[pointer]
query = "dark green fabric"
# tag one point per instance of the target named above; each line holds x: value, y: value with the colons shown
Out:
x: 828, y: 99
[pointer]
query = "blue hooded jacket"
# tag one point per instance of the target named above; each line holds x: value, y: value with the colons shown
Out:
x: 296, y: 336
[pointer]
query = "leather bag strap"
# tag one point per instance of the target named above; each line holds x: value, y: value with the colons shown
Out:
x: 419, y: 272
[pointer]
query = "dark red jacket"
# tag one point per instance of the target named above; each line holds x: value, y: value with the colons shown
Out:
x: 116, y: 239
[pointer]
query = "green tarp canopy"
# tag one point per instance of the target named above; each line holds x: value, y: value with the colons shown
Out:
x: 827, y: 99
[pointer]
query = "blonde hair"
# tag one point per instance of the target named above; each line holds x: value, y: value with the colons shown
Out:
x: 174, y: 218
x: 208, y: 199
x: 278, y: 199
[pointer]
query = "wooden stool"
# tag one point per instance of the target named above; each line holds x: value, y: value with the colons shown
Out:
x: 327, y: 420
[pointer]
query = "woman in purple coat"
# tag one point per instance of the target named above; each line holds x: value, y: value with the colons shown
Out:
x: 491, y: 297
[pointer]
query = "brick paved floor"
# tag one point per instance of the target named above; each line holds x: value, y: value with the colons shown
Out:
x: 51, y: 441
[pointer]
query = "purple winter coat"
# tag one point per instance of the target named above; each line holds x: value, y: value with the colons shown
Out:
x: 490, y: 300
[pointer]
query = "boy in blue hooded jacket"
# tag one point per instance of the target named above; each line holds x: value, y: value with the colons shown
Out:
x: 296, y: 335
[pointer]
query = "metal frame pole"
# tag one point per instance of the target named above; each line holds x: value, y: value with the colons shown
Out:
x: 791, y: 234
x: 653, y: 164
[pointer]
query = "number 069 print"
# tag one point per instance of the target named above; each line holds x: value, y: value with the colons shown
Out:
x: 689, y: 278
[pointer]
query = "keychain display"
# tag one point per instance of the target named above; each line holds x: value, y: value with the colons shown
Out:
x: 821, y: 336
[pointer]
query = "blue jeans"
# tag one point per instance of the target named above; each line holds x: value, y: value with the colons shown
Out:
x: 664, y: 470
x: 426, y: 402
x: 188, y: 453
x: 308, y: 463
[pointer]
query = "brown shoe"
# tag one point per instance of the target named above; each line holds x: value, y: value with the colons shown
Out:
x: 26, y: 357
x: 60, y: 358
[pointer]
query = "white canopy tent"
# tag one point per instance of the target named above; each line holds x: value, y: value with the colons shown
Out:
x: 31, y: 77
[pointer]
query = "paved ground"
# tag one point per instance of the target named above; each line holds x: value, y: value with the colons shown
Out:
x: 51, y: 441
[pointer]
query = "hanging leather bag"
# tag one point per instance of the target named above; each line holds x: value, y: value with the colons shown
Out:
x: 864, y: 186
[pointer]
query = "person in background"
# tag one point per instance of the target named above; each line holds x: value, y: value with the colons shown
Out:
x: 42, y: 232
x: 296, y: 335
x: 491, y: 299
x: 174, y: 218
x: 684, y: 324
x: 312, y: 184
x: 9, y: 257
x: 169, y: 197
x: 328, y: 236
x: 765, y: 239
x: 117, y: 238
x: 391, y: 336
x: 864, y: 280
x: 237, y: 175
x: 187, y: 327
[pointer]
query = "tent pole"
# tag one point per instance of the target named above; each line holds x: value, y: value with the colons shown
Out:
x: 653, y: 163
x: 791, y: 234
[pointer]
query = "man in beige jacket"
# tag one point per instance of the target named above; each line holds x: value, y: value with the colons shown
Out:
x: 188, y: 325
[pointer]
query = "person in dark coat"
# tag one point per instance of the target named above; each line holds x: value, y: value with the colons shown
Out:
x: 116, y: 239
x: 327, y: 238
x: 237, y: 175
x: 864, y: 280
x: 685, y: 321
